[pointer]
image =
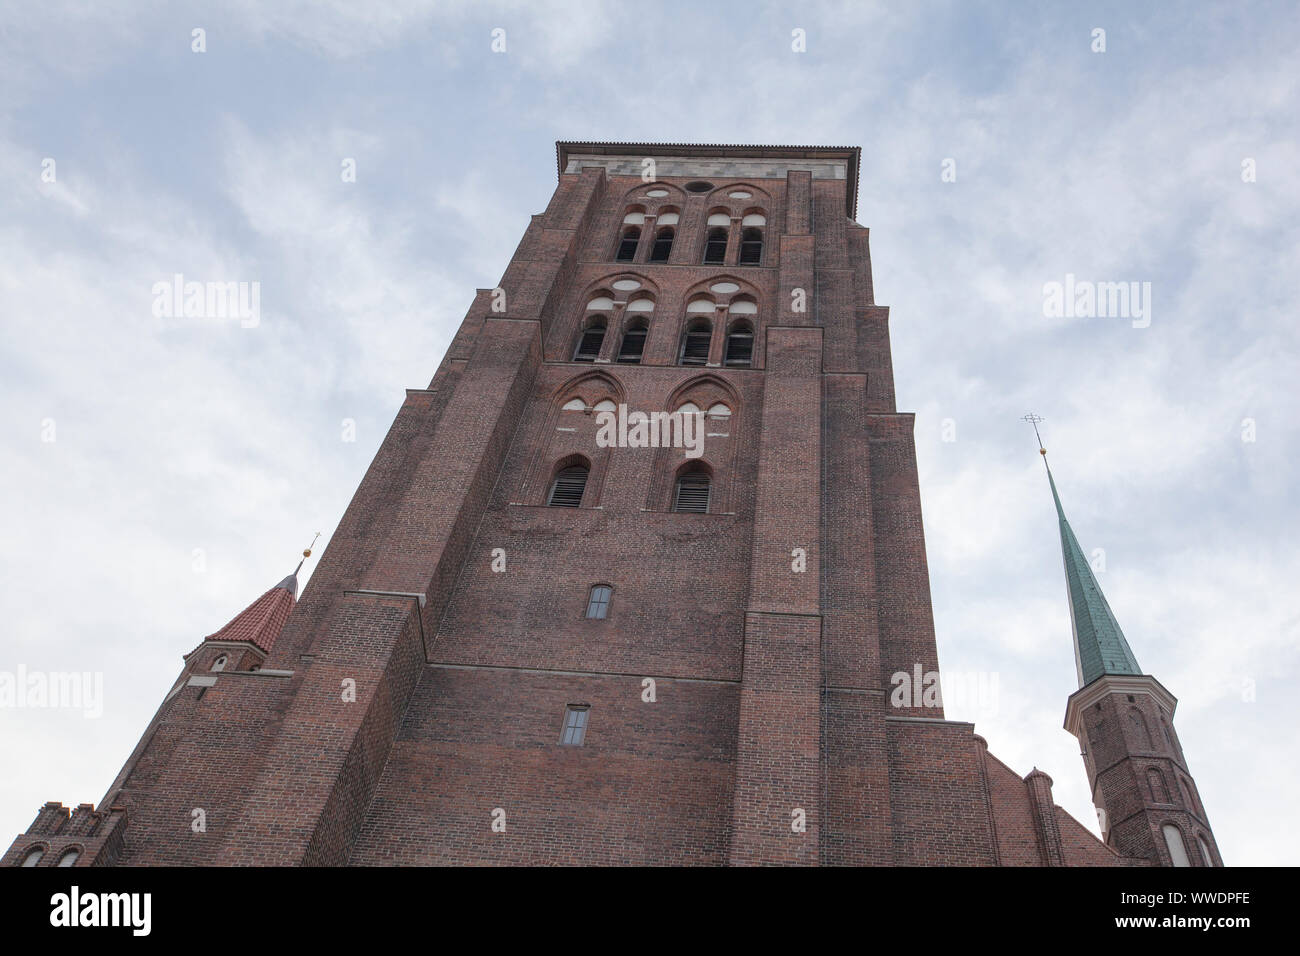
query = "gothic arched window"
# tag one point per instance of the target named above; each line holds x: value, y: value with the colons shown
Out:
x: 1139, y: 723
x: 696, y: 342
x: 715, y: 247
x: 692, y: 493
x: 1206, y: 855
x: 1156, y: 781
x: 589, y: 344
x: 1174, y: 842
x: 568, y: 486
x: 632, y: 347
x: 740, y: 345
x: 627, y: 245
x: 663, y: 245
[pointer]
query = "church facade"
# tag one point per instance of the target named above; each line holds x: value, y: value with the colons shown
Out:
x: 638, y: 579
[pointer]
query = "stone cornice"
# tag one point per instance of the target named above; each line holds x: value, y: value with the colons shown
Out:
x: 1108, y: 684
x: 795, y: 157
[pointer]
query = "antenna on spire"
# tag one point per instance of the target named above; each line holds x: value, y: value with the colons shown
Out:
x: 306, y: 553
x: 1034, y: 420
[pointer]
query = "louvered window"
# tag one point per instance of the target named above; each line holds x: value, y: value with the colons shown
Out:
x: 751, y: 247
x: 589, y: 345
x: 633, y: 345
x: 692, y: 494
x: 740, y: 346
x: 598, y: 601
x: 627, y: 247
x: 567, y: 489
x: 663, y: 246
x: 695, y: 345
x: 715, y: 249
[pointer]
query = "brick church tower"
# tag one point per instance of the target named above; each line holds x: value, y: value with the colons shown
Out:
x: 529, y: 643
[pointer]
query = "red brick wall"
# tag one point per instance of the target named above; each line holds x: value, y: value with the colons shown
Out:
x: 772, y: 685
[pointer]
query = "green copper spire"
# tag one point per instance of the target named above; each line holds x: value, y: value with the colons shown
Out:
x: 1099, y: 645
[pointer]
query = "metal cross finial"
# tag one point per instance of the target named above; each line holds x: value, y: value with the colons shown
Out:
x: 1034, y: 420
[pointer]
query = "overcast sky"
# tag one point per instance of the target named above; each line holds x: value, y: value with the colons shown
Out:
x: 161, y: 474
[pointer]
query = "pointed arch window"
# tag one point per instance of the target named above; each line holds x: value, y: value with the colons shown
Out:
x: 633, y: 345
x: 568, y: 486
x: 663, y: 244
x: 740, y: 345
x: 220, y: 663
x: 1156, y: 781
x: 69, y: 858
x: 627, y: 245
x: 691, y: 495
x: 33, y: 856
x: 696, y: 342
x: 1174, y: 842
x: 1206, y: 855
x: 715, y: 246
x: 1139, y: 723
x: 588, y: 349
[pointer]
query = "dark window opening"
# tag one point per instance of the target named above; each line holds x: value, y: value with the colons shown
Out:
x: 589, y: 345
x: 751, y: 247
x: 695, y: 345
x: 663, y: 246
x: 715, y: 249
x: 633, y: 345
x: 627, y: 247
x: 698, y: 186
x: 575, y: 725
x: 692, y: 494
x: 740, y: 346
x: 598, y: 601
x: 567, y: 489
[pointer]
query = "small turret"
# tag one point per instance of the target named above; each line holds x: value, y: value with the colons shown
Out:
x: 1146, y: 800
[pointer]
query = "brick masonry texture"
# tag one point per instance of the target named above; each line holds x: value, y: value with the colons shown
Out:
x: 411, y: 710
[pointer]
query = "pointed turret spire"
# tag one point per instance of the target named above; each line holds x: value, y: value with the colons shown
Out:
x: 261, y: 622
x: 1099, y: 644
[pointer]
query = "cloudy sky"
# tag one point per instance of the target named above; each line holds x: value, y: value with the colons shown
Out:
x: 160, y: 474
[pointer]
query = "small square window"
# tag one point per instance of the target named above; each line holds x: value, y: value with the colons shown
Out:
x: 575, y: 725
x: 598, y: 601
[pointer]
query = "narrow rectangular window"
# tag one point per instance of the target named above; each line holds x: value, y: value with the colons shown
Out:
x: 575, y: 725
x: 598, y: 601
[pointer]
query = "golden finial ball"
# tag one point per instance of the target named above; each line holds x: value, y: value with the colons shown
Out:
x: 1042, y: 451
x: 306, y: 552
